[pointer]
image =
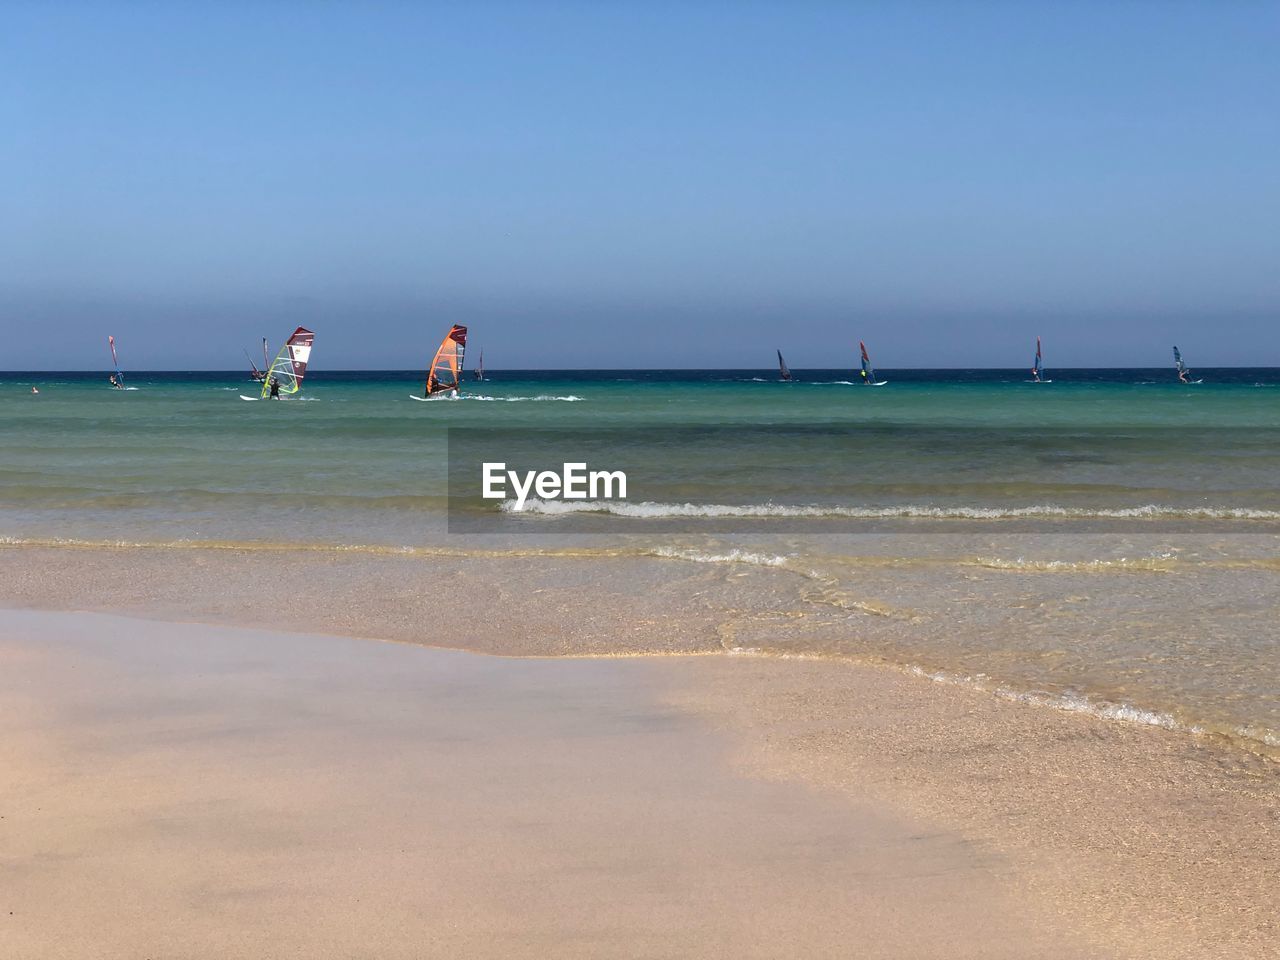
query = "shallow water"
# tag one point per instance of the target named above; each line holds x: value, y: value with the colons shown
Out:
x: 1104, y: 542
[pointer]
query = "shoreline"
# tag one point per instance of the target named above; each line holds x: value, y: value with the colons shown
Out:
x: 1149, y: 841
x: 200, y: 791
x: 728, y: 625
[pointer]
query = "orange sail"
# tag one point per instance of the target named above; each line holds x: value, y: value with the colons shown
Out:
x: 445, y: 372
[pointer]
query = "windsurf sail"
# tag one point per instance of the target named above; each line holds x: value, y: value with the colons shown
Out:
x: 445, y: 372
x: 783, y: 370
x: 868, y: 374
x: 290, y: 364
x: 478, y: 372
x: 115, y: 361
x: 1037, y: 368
x: 1183, y: 373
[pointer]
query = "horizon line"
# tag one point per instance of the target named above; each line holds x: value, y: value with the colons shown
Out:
x: 238, y: 371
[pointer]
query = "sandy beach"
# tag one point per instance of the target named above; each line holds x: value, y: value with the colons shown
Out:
x: 191, y: 791
x: 343, y: 797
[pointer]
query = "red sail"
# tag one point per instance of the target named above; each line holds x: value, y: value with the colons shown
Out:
x: 445, y: 372
x: 299, y: 347
x: 290, y: 364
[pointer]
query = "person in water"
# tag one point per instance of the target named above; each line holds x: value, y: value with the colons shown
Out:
x: 275, y: 389
x: 1182, y: 377
x: 33, y: 389
x: 116, y: 383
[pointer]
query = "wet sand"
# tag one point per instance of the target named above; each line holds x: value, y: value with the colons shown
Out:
x: 1131, y: 841
x: 195, y: 791
x: 1151, y: 842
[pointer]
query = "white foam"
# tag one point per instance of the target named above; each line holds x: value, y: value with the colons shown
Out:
x: 731, y: 556
x: 1156, y: 562
x: 1069, y: 702
x: 652, y: 510
x: 542, y: 398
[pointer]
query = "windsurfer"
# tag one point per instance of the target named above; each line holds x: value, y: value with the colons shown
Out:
x: 116, y: 383
x: 275, y: 389
x: 1182, y: 376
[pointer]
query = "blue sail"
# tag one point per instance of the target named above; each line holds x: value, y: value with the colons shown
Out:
x: 868, y: 375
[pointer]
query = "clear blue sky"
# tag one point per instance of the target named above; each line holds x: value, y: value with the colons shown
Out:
x: 606, y: 184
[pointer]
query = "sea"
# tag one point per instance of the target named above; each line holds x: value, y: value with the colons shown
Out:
x: 1107, y: 542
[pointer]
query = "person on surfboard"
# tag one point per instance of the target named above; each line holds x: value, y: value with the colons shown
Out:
x: 275, y: 389
x: 115, y: 383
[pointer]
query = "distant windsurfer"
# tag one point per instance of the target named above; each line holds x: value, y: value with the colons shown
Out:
x: 1184, y: 375
x: 275, y: 389
x: 444, y: 375
x: 116, y: 383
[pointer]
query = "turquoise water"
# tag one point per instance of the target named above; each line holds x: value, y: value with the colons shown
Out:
x: 182, y: 455
x: 1107, y: 542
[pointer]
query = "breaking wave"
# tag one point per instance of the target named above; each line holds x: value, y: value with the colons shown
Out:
x: 1156, y: 563
x: 730, y: 556
x: 653, y: 510
x: 1070, y: 702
